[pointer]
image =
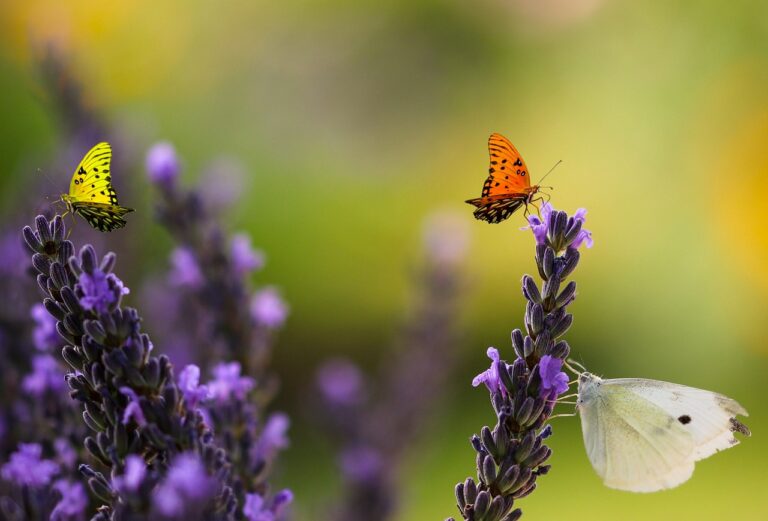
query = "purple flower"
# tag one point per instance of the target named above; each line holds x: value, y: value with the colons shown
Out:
x: 554, y: 382
x: 244, y: 258
x: 65, y: 453
x: 227, y: 382
x: 45, y: 376
x: 341, y: 382
x: 189, y: 380
x: 45, y: 336
x: 273, y: 437
x: 162, y: 164
x: 256, y: 509
x: 584, y: 236
x: 446, y: 238
x: 135, y: 470
x: 26, y: 468
x: 73, y: 501
x: 268, y: 308
x: 187, y: 484
x: 133, y: 409
x: 361, y: 463
x: 99, y: 291
x: 185, y: 272
x: 538, y: 226
x: 490, y: 377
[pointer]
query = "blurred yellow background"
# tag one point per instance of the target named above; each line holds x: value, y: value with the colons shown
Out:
x: 356, y: 120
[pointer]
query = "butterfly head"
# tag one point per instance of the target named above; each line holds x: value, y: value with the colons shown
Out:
x: 67, y: 200
x: 588, y: 387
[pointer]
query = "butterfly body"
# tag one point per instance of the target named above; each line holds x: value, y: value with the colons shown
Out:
x: 508, y: 186
x: 91, y: 194
x: 645, y: 435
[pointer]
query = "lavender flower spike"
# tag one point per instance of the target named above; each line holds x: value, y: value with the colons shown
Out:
x: 511, y: 456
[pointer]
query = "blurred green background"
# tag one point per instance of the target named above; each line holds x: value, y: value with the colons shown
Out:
x: 356, y: 120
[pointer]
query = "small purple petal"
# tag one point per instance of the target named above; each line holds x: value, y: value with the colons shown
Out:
x: 185, y: 271
x: 341, y: 382
x: 228, y: 383
x: 44, y: 335
x: 489, y: 377
x: 554, y: 382
x: 135, y: 471
x: 45, y: 376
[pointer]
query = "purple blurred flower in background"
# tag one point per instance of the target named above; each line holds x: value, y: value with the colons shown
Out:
x: 268, y: 309
x: 341, y: 382
x: 554, y: 382
x: 273, y: 437
x: 361, y: 463
x: 46, y: 375
x: 65, y: 453
x: 186, y: 486
x: 185, y: 271
x: 73, y: 501
x: 135, y: 471
x: 26, y: 467
x: 44, y: 334
x: 189, y: 384
x: 244, y: 258
x: 162, y: 164
x: 257, y: 509
x: 228, y: 383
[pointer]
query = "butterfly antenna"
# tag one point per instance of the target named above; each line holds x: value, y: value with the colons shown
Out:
x: 571, y: 368
x: 550, y: 171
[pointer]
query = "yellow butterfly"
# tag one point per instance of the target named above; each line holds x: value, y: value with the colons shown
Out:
x: 91, y: 194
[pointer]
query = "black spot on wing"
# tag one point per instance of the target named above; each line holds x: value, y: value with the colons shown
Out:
x: 684, y: 419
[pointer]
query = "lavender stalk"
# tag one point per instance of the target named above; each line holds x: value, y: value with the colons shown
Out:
x: 129, y: 398
x: 512, y: 455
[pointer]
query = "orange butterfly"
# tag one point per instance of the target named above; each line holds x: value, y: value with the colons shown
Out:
x: 508, y: 186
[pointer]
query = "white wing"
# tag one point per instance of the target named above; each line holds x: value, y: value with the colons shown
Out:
x: 632, y: 443
x: 645, y: 435
x: 706, y: 415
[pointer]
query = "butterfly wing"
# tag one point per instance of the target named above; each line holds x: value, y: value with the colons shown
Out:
x: 645, y: 435
x: 633, y: 444
x: 709, y: 417
x: 90, y: 191
x: 103, y: 217
x: 508, y: 184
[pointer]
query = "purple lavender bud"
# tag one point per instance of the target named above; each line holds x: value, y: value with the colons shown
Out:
x: 228, y: 383
x: 73, y: 501
x: 268, y: 309
x: 133, y: 409
x: 186, y: 487
x: 361, y: 463
x: 26, y: 468
x: 189, y: 380
x: 584, y: 236
x: 185, y: 271
x: 135, y: 471
x: 244, y: 258
x: 554, y: 382
x: 490, y: 377
x: 162, y: 164
x: 45, y: 376
x: 341, y: 382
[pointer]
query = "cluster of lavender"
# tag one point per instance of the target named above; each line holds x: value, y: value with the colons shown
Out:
x: 373, y: 422
x: 208, y: 308
x: 512, y: 455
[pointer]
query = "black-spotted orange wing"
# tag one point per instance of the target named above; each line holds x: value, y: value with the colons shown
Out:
x: 508, y: 186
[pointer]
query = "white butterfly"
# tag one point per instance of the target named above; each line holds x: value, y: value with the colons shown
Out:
x: 645, y: 435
